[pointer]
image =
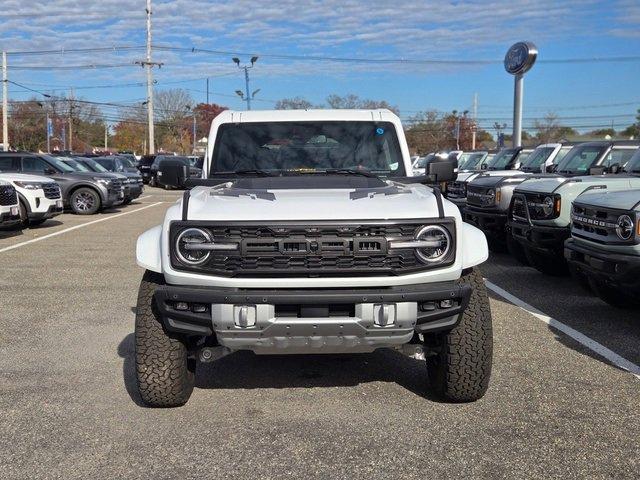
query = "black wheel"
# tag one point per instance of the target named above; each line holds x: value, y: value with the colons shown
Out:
x: 516, y: 250
x: 461, y: 369
x: 85, y: 201
x: 24, y: 216
x: 554, y: 265
x: 612, y: 296
x: 127, y: 201
x: 164, y: 371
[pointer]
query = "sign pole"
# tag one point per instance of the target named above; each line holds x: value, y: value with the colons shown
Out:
x: 517, y: 110
x: 518, y: 61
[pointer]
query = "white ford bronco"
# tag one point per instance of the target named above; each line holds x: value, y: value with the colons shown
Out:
x: 307, y: 234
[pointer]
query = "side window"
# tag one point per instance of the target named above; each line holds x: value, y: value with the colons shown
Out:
x: 561, y: 154
x: 9, y: 164
x: 33, y: 164
x: 618, y: 156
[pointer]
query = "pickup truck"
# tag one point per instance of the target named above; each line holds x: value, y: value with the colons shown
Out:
x: 308, y: 234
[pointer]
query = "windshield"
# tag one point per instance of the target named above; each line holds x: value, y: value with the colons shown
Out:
x: 94, y: 165
x: 473, y: 160
x: 59, y: 164
x: 633, y: 165
x: 127, y: 163
x: 108, y: 164
x: 537, y: 158
x: 77, y: 166
x: 502, y: 159
x: 308, y: 147
x: 581, y: 158
x: 422, y: 161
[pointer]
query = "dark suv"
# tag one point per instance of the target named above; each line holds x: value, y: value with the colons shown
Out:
x: 144, y: 167
x: 85, y: 193
x: 155, y: 180
x: 122, y: 166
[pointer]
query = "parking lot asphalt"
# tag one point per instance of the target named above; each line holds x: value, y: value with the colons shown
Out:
x: 69, y: 409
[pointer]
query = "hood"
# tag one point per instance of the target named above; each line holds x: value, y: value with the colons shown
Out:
x: 550, y: 184
x: 392, y: 201
x: 108, y: 176
x: 24, y: 177
x: 468, y: 176
x: 495, y: 180
x: 620, y: 200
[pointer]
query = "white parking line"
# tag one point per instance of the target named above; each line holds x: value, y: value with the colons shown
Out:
x: 581, y: 338
x: 60, y: 232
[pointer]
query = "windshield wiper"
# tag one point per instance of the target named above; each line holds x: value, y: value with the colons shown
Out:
x: 346, y: 171
x: 245, y: 172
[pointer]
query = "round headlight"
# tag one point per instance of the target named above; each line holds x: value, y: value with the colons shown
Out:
x: 547, y: 206
x: 624, y: 227
x: 439, y: 240
x: 186, y: 246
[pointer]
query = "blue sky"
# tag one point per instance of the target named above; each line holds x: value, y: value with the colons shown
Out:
x: 418, y: 31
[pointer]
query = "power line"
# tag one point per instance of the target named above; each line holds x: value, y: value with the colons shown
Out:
x: 63, y: 51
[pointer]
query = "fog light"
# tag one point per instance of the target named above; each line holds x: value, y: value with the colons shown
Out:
x: 446, y: 303
x: 182, y: 306
x: 427, y: 306
x: 199, y: 308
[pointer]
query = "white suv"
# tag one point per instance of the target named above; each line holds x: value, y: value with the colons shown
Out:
x: 308, y: 234
x: 39, y: 197
x: 9, y: 211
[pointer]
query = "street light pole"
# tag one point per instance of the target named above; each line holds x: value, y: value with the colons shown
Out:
x: 248, y: 95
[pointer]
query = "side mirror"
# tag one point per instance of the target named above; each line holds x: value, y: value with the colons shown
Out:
x: 484, y: 166
x: 444, y: 171
x: 173, y: 173
x: 550, y: 168
x: 597, y: 170
x: 615, y: 168
x: 50, y: 171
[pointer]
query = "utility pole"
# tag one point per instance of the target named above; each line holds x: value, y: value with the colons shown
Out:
x: 148, y: 64
x: 207, y: 90
x: 71, y: 121
x: 106, y: 136
x: 194, y: 132
x: 475, y: 121
x: 5, y: 104
x: 48, y: 133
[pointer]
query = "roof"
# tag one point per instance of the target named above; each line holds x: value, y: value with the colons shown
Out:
x: 231, y: 116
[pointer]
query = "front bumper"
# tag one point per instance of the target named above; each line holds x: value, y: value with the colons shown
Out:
x: 312, y: 321
x: 614, y: 269
x: 51, y: 211
x: 491, y: 223
x: 542, y: 238
x: 10, y: 218
x: 146, y: 176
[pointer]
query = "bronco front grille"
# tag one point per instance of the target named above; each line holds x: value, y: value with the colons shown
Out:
x: 479, y: 197
x: 597, y: 224
x: 530, y: 206
x: 457, y: 190
x: 311, y: 250
x: 51, y: 190
x: 8, y: 195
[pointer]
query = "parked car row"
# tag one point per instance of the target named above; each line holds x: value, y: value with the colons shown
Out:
x: 37, y: 187
x: 583, y: 218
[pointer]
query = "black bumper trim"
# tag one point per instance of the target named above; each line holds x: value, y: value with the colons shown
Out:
x: 167, y: 295
x: 550, y: 239
x: 614, y: 268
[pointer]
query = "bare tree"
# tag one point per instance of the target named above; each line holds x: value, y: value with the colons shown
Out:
x: 295, y: 103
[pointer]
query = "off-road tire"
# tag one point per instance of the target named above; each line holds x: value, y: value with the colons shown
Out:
x: 24, y: 215
x: 553, y: 265
x: 461, y: 369
x: 88, y: 193
x: 516, y: 250
x: 615, y: 298
x: 164, y: 371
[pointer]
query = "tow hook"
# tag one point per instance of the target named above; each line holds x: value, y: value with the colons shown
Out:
x: 211, y: 354
x: 413, y: 350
